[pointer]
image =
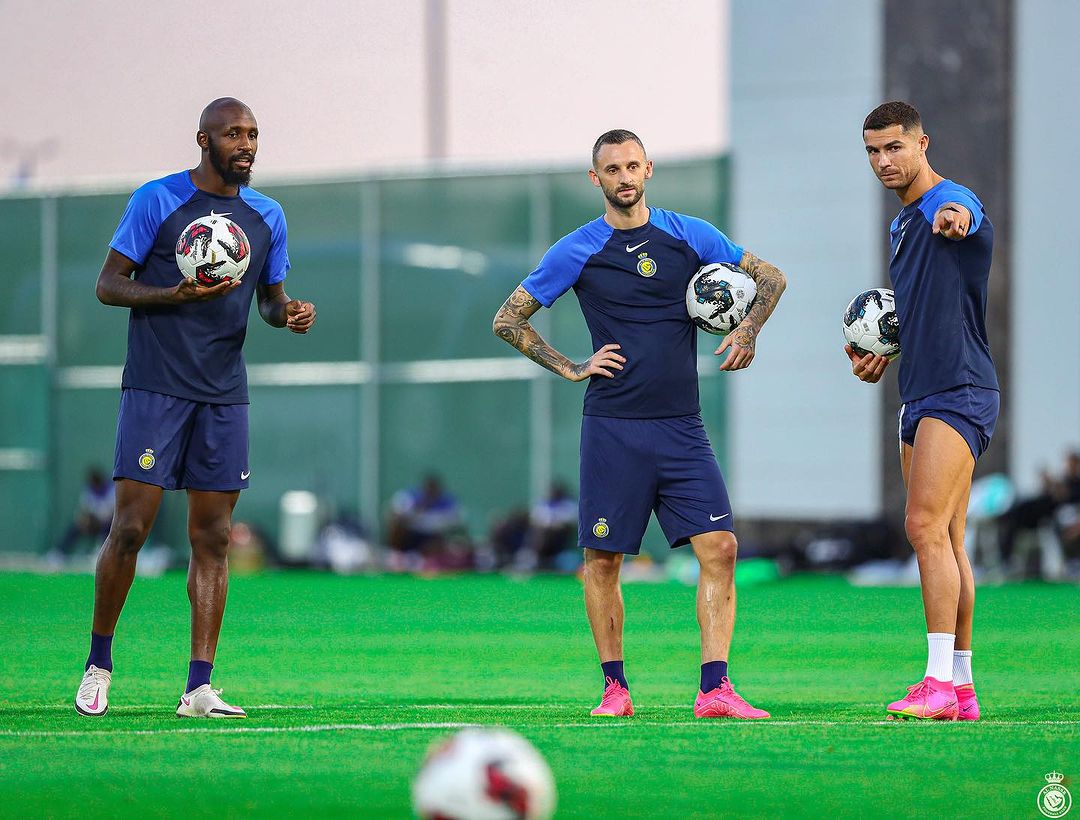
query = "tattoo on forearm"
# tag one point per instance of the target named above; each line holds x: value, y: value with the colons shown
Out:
x: 771, y: 283
x: 512, y: 326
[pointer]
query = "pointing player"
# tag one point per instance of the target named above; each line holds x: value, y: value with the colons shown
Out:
x: 643, y: 446
x: 941, y: 247
x: 183, y: 411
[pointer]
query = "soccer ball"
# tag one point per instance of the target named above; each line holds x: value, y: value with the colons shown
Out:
x: 719, y: 297
x: 871, y: 324
x: 213, y: 249
x: 484, y: 774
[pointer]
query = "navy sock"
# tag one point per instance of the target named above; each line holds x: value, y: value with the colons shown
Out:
x: 711, y: 674
x: 100, y: 651
x: 198, y: 674
x: 614, y: 670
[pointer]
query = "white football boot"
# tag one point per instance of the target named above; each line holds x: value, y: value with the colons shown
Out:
x: 206, y: 702
x: 92, y: 698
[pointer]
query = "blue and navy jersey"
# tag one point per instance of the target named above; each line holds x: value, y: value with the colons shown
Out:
x: 631, y: 286
x: 194, y: 351
x: 940, y: 287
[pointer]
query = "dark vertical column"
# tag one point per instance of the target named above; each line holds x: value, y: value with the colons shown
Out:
x: 435, y: 66
x: 954, y: 63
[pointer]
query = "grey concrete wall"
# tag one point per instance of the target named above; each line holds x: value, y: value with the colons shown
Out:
x: 1045, y: 301
x: 955, y: 65
x: 805, y: 439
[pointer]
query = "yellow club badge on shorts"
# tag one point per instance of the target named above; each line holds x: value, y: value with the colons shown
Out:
x: 645, y: 266
x: 600, y: 528
x: 147, y: 460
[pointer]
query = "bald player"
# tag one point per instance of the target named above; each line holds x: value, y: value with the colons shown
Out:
x: 183, y: 420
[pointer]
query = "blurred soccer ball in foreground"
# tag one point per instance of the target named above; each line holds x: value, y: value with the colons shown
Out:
x: 719, y: 296
x: 213, y: 249
x: 484, y: 774
x: 871, y: 324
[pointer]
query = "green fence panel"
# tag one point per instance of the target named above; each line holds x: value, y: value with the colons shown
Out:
x: 452, y: 250
x: 20, y: 264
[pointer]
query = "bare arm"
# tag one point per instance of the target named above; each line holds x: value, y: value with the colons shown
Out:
x: 278, y: 310
x: 512, y: 326
x: 116, y: 287
x: 741, y: 342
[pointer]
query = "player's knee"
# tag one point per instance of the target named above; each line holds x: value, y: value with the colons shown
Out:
x: 602, y: 566
x: 128, y: 534
x: 925, y: 530
x: 717, y: 551
x: 210, y: 538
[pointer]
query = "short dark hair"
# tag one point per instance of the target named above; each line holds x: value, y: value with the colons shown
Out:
x: 893, y: 113
x: 616, y: 136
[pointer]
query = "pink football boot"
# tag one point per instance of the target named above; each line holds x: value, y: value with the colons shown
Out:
x: 968, y: 703
x: 929, y: 699
x: 724, y: 701
x: 615, y: 702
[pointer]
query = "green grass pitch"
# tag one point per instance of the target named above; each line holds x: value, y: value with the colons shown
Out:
x: 347, y: 681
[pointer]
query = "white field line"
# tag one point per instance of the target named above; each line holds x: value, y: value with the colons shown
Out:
x: 67, y: 706
x: 406, y: 727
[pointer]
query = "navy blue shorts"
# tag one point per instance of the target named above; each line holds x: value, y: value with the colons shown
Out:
x: 970, y: 411
x: 631, y: 468
x: 177, y: 444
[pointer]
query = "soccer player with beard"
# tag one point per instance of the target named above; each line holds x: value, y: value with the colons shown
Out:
x: 183, y: 420
x: 942, y: 242
x: 643, y: 446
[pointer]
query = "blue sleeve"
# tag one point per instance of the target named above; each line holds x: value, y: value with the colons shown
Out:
x: 277, y: 258
x: 951, y: 192
x: 708, y: 241
x: 138, y: 229
x: 561, y: 266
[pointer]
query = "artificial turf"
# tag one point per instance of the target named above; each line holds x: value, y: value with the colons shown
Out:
x: 347, y: 681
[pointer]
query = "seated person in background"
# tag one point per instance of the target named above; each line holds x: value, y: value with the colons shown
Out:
x: 552, y: 526
x: 1056, y: 504
x: 426, y: 529
x: 92, y: 518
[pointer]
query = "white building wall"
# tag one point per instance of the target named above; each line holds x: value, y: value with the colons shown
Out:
x: 1045, y: 393
x: 805, y: 431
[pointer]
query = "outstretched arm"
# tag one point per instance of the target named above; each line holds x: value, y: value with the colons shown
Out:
x: 116, y: 287
x: 512, y: 326
x: 952, y: 220
x: 740, y: 343
x: 278, y: 310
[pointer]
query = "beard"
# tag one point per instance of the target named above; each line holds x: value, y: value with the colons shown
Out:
x: 223, y: 165
x: 612, y: 196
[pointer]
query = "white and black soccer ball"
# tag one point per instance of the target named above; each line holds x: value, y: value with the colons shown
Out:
x: 871, y: 324
x: 213, y: 249
x: 484, y: 774
x: 719, y: 297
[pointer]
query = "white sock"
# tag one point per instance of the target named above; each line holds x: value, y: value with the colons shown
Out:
x: 961, y: 667
x: 940, y: 660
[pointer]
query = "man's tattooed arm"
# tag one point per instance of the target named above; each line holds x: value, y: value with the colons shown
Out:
x: 771, y: 283
x: 512, y: 326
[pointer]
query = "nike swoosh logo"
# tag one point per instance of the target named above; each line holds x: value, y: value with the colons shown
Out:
x: 227, y: 213
x: 244, y: 475
x: 185, y: 701
x: 718, y: 517
x: 631, y: 250
x: 97, y: 696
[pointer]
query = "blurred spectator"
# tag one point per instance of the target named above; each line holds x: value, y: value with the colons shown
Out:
x: 1050, y: 520
x: 247, y: 550
x: 553, y: 525
x: 426, y: 530
x: 92, y: 518
x: 506, y: 541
